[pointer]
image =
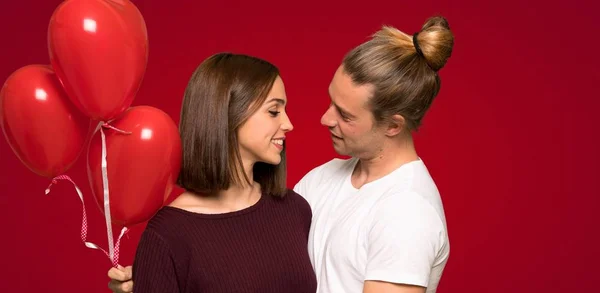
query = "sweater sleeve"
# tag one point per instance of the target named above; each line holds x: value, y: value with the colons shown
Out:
x: 153, y: 267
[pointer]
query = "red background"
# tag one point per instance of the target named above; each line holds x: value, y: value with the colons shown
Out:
x: 511, y: 140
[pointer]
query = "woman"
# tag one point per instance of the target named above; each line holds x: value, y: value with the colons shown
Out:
x: 236, y: 228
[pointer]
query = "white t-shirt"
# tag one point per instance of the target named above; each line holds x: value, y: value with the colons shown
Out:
x: 392, y: 229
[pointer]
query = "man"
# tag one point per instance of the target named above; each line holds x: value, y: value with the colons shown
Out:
x: 378, y: 221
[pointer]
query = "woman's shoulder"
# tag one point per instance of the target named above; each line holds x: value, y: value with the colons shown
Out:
x: 164, y: 219
x: 290, y: 193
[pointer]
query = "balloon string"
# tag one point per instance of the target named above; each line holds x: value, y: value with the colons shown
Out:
x: 106, y: 125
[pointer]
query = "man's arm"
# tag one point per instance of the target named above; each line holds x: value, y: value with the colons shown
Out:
x: 386, y: 287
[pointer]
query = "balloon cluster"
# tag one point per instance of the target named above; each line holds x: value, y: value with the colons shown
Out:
x: 51, y: 113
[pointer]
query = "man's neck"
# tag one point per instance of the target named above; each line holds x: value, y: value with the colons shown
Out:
x: 393, y: 154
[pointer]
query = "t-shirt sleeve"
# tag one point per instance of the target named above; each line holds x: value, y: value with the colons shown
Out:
x: 319, y: 175
x: 311, y: 178
x: 403, y: 241
x: 153, y: 267
x: 300, y: 187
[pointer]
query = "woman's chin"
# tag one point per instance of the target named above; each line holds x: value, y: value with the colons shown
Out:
x: 275, y: 160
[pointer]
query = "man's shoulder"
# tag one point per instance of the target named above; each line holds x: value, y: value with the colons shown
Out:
x: 321, y: 176
x: 333, y: 166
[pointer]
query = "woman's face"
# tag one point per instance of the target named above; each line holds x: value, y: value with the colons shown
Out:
x: 262, y: 137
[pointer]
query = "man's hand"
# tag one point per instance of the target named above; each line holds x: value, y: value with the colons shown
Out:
x: 385, y: 287
x: 120, y: 280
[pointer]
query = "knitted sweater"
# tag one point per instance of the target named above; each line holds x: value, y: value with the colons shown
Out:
x: 262, y: 248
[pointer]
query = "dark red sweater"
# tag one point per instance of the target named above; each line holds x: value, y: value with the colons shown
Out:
x: 262, y: 248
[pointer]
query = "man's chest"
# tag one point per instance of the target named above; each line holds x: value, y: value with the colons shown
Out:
x: 340, y: 231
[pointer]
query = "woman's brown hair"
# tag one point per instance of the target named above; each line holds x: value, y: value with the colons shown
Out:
x: 223, y: 92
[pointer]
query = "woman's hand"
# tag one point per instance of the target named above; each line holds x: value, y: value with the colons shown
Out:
x: 120, y: 280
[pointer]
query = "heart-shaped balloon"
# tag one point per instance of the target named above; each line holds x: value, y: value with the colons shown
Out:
x: 142, y: 166
x: 99, y: 50
x: 45, y: 131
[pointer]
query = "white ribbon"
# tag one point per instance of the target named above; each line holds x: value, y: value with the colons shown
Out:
x: 111, y: 247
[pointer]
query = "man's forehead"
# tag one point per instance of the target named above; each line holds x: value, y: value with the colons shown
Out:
x: 345, y: 91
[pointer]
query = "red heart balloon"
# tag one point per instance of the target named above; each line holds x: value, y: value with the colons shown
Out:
x: 142, y: 166
x: 99, y: 50
x: 45, y: 131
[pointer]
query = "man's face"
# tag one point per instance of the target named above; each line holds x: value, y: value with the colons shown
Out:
x: 350, y: 122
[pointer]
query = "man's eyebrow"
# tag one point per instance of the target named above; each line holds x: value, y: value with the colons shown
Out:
x: 343, y: 111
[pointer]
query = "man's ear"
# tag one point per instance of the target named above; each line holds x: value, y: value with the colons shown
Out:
x: 395, y: 125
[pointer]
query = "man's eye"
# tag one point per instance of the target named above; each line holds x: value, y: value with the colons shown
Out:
x: 342, y: 115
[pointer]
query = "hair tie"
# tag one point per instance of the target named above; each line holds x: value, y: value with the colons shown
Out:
x: 419, y: 52
x: 416, y: 44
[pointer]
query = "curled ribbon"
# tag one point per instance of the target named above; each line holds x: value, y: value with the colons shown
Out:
x: 84, y: 217
x: 84, y: 226
x: 113, y: 248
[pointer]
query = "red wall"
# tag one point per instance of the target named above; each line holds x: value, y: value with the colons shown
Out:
x: 511, y: 140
